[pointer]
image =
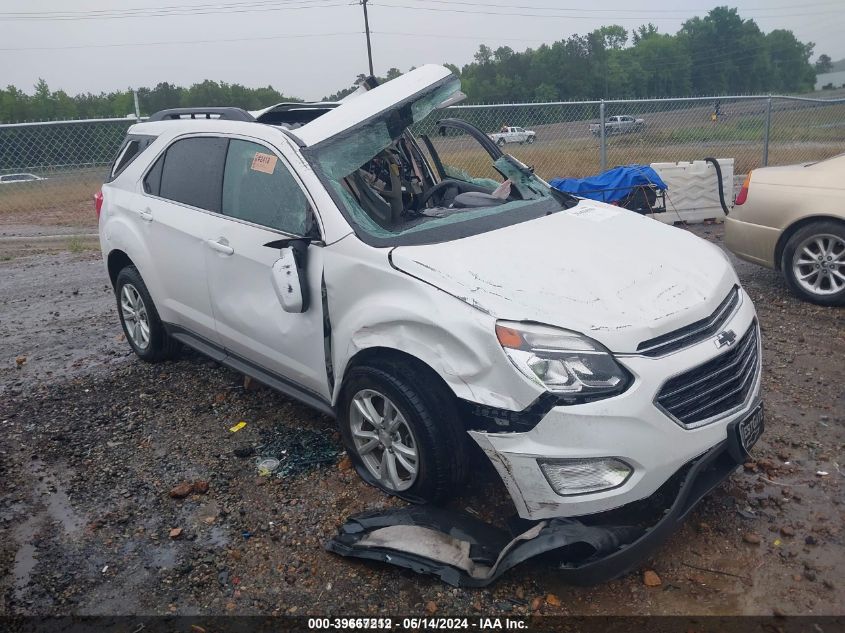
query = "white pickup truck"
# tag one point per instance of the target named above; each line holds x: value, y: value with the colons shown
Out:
x: 514, y: 135
x: 618, y: 125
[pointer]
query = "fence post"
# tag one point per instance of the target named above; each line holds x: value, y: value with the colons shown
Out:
x: 603, y: 136
x: 137, y: 109
x: 767, y: 131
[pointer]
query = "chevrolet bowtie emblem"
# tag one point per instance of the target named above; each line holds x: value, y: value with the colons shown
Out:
x: 728, y: 337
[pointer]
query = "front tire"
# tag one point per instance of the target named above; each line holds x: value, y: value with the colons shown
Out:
x: 138, y: 316
x: 500, y: 142
x: 531, y: 139
x: 813, y: 263
x: 402, y: 432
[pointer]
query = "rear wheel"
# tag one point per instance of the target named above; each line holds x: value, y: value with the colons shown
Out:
x: 814, y: 263
x: 402, y: 432
x: 138, y: 316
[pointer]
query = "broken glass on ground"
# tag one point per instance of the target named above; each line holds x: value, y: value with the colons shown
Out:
x: 297, y: 450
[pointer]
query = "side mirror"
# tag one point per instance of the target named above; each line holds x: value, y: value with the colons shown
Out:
x: 290, y: 274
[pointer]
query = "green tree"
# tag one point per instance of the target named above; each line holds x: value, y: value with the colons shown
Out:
x: 823, y: 64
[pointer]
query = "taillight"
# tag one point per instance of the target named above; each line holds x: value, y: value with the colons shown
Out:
x: 98, y: 203
x: 743, y: 193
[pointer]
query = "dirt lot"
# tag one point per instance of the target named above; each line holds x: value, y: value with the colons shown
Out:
x: 92, y: 441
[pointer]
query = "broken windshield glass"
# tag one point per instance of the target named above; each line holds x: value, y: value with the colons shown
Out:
x: 384, y: 187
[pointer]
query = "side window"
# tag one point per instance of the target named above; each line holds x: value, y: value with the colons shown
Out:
x: 193, y: 171
x: 258, y: 188
x: 130, y: 150
x: 152, y: 181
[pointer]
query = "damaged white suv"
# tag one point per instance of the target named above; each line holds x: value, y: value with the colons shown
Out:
x: 592, y: 353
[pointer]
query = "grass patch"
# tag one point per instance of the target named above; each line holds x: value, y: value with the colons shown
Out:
x: 75, y: 245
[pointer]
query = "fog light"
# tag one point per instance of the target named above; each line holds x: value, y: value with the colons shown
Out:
x: 569, y: 477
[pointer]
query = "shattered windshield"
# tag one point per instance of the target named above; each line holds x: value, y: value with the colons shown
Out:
x: 391, y: 195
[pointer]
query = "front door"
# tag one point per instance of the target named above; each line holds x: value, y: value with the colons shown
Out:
x: 263, y: 203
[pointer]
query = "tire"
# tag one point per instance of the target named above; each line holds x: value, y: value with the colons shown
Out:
x: 531, y: 139
x: 500, y: 142
x: 134, y: 298
x: 821, y: 282
x: 429, y: 426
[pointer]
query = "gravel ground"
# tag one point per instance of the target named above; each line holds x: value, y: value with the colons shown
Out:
x: 92, y: 441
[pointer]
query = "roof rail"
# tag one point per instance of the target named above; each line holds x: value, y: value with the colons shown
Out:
x: 232, y: 114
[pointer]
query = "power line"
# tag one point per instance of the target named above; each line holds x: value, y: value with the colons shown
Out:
x: 278, y: 5
x: 641, y: 10
x: 559, y: 15
x: 181, y: 42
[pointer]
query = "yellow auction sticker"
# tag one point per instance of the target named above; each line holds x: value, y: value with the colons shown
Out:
x: 237, y: 427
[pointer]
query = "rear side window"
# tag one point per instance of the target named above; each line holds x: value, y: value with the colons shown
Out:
x: 258, y: 188
x: 193, y: 172
x: 131, y: 148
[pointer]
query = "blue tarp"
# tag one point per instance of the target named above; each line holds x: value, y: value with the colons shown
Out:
x: 612, y: 185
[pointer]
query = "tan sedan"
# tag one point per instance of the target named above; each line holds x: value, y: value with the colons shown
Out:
x: 792, y: 219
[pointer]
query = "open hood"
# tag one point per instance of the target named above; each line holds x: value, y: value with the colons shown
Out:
x: 611, y: 274
x: 420, y: 91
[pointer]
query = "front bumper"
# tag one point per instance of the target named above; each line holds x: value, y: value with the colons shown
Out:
x: 465, y: 552
x: 628, y: 427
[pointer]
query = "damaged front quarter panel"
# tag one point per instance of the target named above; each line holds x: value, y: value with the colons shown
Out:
x: 374, y: 306
x: 466, y: 552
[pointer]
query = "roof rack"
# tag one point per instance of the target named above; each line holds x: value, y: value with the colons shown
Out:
x: 231, y: 114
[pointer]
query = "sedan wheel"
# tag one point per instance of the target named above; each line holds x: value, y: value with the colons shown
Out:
x: 818, y: 264
x: 384, y: 440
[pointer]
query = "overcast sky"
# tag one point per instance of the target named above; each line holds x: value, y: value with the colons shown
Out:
x: 310, y: 48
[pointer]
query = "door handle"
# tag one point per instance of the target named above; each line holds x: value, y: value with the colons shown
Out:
x: 146, y: 215
x: 221, y: 246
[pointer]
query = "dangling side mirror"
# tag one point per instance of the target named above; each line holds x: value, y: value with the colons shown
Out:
x: 290, y: 273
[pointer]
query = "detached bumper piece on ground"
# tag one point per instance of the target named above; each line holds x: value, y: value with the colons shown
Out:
x: 466, y: 552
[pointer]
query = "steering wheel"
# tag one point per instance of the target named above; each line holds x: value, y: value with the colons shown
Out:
x: 438, y: 190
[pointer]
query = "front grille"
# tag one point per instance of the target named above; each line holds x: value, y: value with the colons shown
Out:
x: 715, y: 387
x: 693, y: 333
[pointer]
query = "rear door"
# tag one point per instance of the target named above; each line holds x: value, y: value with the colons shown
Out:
x: 181, y: 188
x: 263, y: 202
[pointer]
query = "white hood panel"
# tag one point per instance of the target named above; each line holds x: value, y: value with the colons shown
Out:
x: 611, y: 274
x: 372, y: 103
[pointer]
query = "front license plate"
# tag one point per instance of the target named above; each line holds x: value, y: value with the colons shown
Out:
x: 750, y: 429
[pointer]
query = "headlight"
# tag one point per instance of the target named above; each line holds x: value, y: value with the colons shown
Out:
x: 566, y: 363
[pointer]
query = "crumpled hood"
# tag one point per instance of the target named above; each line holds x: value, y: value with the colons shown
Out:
x: 611, y: 274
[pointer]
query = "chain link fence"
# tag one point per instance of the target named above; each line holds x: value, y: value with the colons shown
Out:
x: 570, y: 139
x: 50, y: 171
x: 576, y: 139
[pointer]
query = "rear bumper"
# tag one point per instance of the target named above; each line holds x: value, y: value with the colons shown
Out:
x: 752, y: 242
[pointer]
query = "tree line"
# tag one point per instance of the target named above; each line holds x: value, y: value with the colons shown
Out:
x: 717, y: 54
x: 47, y: 105
x: 720, y: 53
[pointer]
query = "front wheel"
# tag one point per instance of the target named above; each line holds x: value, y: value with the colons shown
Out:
x: 531, y: 139
x: 814, y: 263
x: 500, y: 142
x: 402, y: 434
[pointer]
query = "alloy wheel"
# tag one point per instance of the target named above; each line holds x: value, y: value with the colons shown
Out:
x: 135, y: 316
x: 384, y: 440
x: 819, y: 264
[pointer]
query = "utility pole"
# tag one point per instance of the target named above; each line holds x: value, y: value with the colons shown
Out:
x: 367, y: 29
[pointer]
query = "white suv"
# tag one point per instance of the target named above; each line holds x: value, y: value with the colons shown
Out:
x: 590, y: 352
